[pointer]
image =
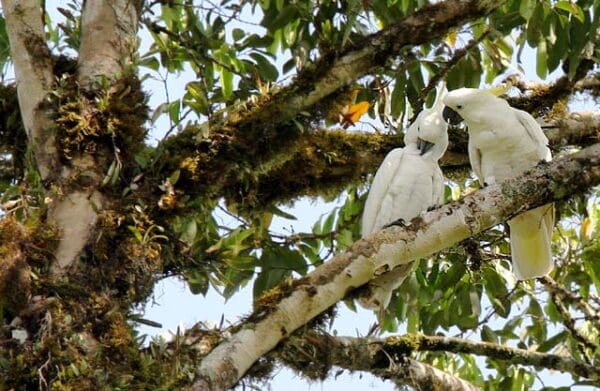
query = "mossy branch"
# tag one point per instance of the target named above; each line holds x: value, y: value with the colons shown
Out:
x: 407, y: 344
x: 314, y: 353
x: 543, y: 98
x: 319, y: 162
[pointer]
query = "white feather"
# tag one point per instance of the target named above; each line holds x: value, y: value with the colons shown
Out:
x: 408, y: 182
x: 503, y: 143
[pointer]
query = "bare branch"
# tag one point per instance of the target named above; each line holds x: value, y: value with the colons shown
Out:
x: 389, y: 248
x: 576, y: 301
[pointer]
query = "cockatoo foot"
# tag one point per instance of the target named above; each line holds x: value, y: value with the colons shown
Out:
x: 399, y: 223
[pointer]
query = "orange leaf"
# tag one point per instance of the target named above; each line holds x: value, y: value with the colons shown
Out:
x: 352, y: 113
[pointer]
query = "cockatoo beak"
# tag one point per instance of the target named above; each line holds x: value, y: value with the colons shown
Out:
x: 424, y: 146
x: 451, y: 116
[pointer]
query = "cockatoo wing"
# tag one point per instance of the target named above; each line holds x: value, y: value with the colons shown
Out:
x: 535, y: 133
x: 379, y: 188
x: 475, y: 159
x: 438, y: 188
x: 531, y: 232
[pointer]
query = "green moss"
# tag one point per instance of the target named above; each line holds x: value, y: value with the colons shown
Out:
x: 406, y: 344
x: 105, y: 123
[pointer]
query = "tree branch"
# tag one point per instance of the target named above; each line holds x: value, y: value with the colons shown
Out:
x: 33, y: 70
x: 591, y: 314
x: 542, y: 99
x: 331, y: 73
x: 324, y: 162
x: 305, y: 351
x: 418, y: 343
x: 386, y: 249
x: 108, y: 33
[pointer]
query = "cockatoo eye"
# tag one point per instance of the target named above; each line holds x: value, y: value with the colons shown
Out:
x: 459, y: 106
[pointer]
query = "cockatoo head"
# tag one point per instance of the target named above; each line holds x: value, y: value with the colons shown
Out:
x: 472, y: 105
x: 429, y: 132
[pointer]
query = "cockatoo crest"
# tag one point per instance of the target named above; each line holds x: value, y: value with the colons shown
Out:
x: 500, y: 89
x: 429, y: 130
x: 474, y: 105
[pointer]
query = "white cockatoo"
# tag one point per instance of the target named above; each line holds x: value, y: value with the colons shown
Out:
x: 408, y: 182
x: 504, y: 142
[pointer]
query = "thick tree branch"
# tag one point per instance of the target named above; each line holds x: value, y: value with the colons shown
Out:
x: 385, y: 250
x: 108, y: 33
x: 419, y: 343
x: 542, y: 99
x: 33, y: 70
x: 324, y: 162
x: 332, y: 73
x: 309, y: 350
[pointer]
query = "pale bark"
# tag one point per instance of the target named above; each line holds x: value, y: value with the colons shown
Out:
x: 108, y: 34
x: 385, y: 250
x: 33, y: 70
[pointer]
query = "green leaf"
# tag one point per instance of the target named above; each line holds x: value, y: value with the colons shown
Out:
x: 226, y: 78
x: 284, y: 17
x: 552, y: 342
x: 495, y: 289
x: 526, y: 8
x: 148, y: 62
x: 266, y: 69
x: 174, y: 109
x: 541, y: 66
x: 451, y: 277
x: 488, y: 335
x: 399, y: 96
x: 278, y: 212
x: 238, y: 34
x: 196, y: 97
x: 197, y: 282
x: 571, y: 8
x: 160, y: 109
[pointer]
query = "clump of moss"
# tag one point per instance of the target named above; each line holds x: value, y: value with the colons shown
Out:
x: 104, y: 121
x: 13, y: 139
x: 307, y: 356
x: 15, y: 279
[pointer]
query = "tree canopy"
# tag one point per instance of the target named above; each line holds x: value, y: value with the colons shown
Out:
x: 284, y: 99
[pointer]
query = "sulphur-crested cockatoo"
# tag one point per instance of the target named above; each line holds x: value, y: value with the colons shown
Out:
x: 503, y: 143
x: 408, y: 182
